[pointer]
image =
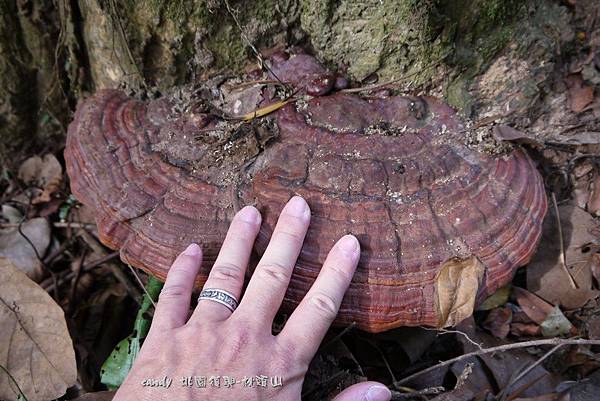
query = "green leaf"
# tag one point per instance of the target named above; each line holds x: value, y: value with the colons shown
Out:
x: 497, y: 299
x: 65, y: 208
x: 119, y: 362
x: 556, y: 324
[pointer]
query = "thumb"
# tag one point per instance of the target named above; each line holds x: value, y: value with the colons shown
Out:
x: 366, y: 391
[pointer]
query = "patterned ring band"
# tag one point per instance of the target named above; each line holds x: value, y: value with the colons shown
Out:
x: 221, y: 296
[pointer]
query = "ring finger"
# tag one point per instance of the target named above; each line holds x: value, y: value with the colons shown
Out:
x: 228, y: 272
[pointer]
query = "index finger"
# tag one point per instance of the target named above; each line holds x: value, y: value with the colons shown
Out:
x: 310, y: 321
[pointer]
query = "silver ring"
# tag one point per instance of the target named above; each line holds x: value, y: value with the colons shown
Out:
x: 221, y: 296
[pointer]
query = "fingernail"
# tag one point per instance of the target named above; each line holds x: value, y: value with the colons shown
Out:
x: 349, y: 245
x: 249, y: 214
x: 298, y: 207
x: 378, y: 393
x: 193, y: 250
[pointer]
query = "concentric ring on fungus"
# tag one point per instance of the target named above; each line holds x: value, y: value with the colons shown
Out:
x: 392, y: 170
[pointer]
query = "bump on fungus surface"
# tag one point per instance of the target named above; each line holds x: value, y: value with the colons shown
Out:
x: 435, y: 218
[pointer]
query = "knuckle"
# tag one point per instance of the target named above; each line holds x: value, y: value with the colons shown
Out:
x: 173, y: 291
x: 227, y: 271
x: 242, y: 336
x: 294, y: 219
x: 287, y: 235
x: 183, y: 262
x: 340, y: 274
x: 273, y: 271
x: 244, y: 230
x: 288, y: 358
x: 324, y: 304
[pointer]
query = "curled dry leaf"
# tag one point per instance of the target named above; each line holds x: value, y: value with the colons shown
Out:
x: 507, y: 133
x: 45, y: 173
x: 456, y: 288
x: 35, y: 346
x: 238, y: 101
x: 586, y: 186
x: 11, y: 214
x: 17, y: 245
x: 593, y: 203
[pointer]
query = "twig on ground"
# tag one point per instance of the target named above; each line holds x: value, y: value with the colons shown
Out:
x: 563, y: 257
x: 64, y: 224
x: 76, y: 275
x: 55, y: 254
x: 137, y: 277
x: 339, y: 335
x: 382, y: 355
x: 500, y: 348
x: 117, y: 271
x: 58, y: 224
x: 445, y: 331
x: 525, y: 386
x: 50, y: 284
x: 527, y: 370
x: 398, y: 395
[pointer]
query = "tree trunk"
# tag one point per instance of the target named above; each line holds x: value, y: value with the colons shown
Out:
x: 486, y: 57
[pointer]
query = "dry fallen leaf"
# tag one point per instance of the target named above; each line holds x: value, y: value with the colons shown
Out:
x: 17, y: 246
x: 498, y: 321
x: 556, y: 324
x: 238, y: 101
x: 579, y: 138
x: 534, y: 307
x: 595, y: 267
x: 593, y: 203
x: 506, y: 133
x: 99, y: 396
x: 456, y: 287
x: 547, y: 397
x: 35, y: 346
x: 45, y: 173
x: 525, y: 329
x: 11, y: 214
x: 580, y: 94
x: 546, y: 276
x: 503, y: 365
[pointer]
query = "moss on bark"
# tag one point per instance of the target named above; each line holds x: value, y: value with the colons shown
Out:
x: 157, y: 44
x: 172, y: 42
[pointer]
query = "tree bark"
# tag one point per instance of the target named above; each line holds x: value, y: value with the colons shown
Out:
x: 481, y: 55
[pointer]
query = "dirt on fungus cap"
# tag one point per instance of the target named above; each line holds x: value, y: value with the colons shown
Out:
x: 440, y: 223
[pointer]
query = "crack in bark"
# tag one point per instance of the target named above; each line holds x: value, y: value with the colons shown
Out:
x: 388, y: 209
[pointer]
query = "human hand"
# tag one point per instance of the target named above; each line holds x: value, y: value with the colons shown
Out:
x: 216, y: 342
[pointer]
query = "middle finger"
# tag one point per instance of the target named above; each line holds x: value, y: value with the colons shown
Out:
x: 272, y: 275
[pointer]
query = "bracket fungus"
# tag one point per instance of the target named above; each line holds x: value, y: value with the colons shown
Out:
x: 441, y: 224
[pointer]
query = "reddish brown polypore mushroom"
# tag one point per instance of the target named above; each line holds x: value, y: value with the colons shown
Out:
x: 393, y: 170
